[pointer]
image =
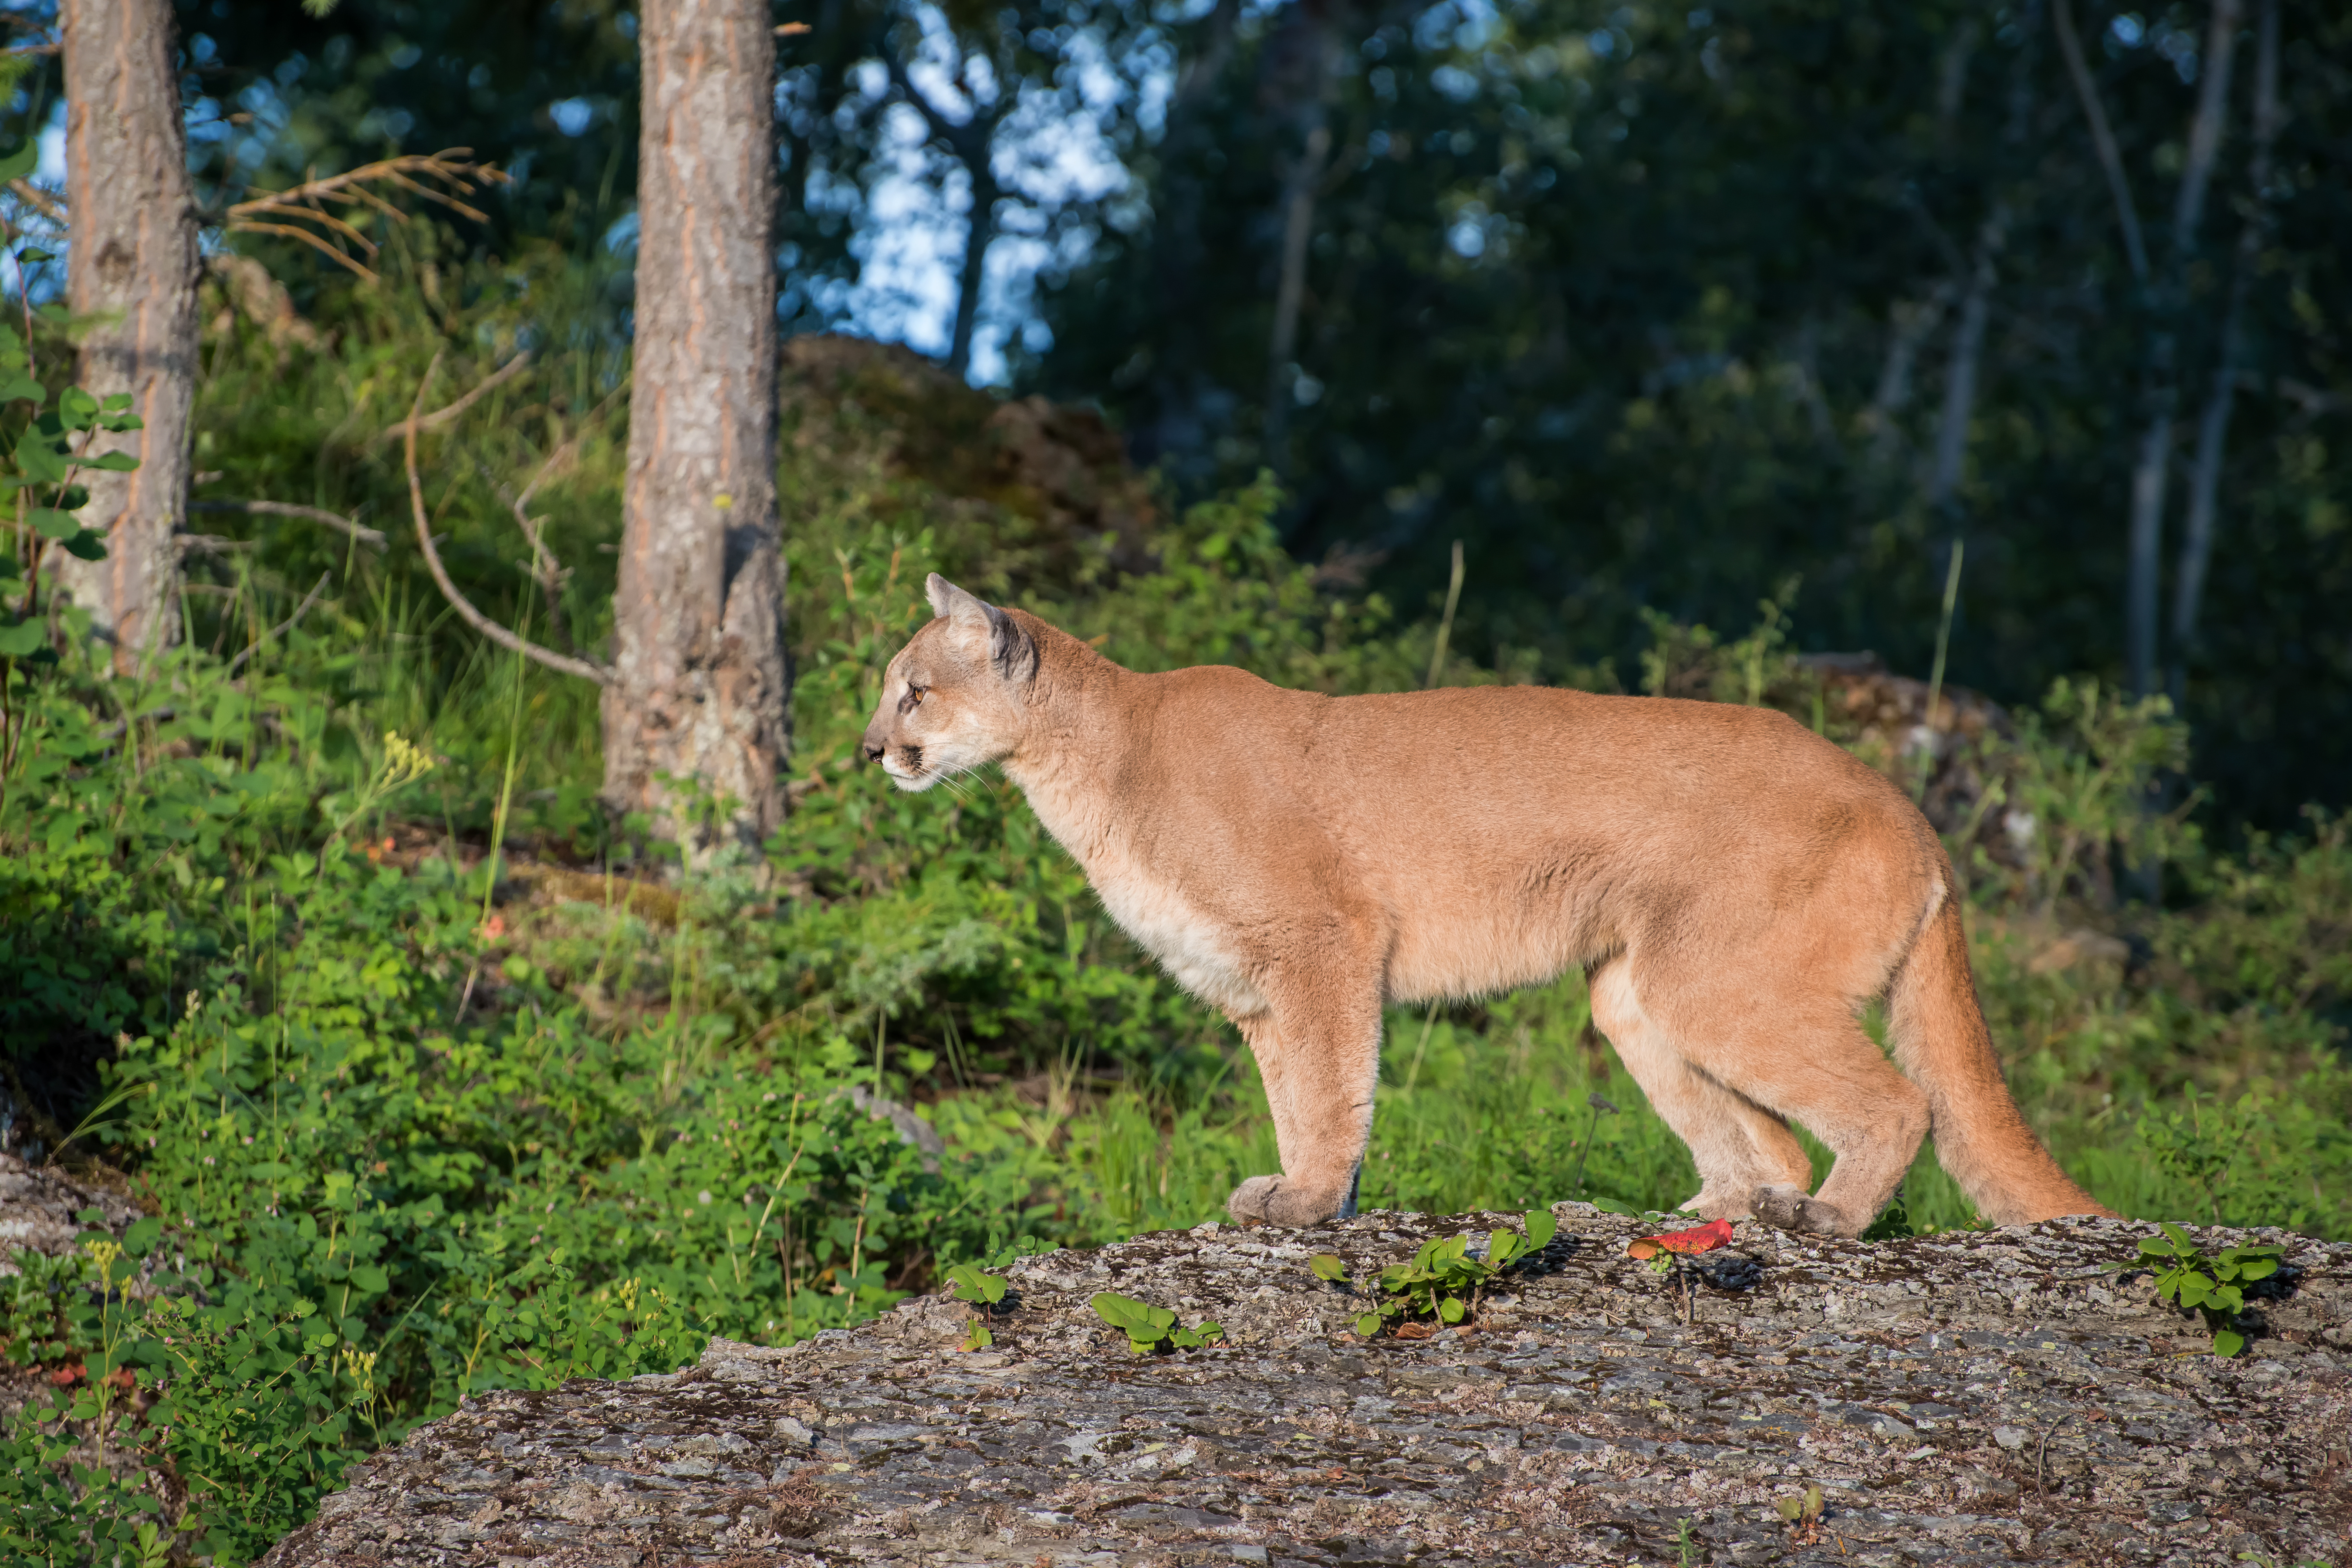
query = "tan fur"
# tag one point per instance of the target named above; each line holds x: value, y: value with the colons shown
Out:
x: 1736, y: 886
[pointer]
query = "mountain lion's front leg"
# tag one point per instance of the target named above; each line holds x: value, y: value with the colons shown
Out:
x: 1319, y: 1056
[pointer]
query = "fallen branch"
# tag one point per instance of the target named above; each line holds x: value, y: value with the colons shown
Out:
x: 473, y: 618
x: 440, y: 416
x: 285, y: 625
x: 367, y: 536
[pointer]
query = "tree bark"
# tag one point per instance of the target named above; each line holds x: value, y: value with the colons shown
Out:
x: 133, y: 269
x: 700, y: 688
x: 2213, y: 425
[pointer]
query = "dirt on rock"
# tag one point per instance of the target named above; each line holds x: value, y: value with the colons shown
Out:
x: 1975, y: 1398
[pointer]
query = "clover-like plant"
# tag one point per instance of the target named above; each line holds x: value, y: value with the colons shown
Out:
x: 1148, y: 1327
x: 2213, y: 1287
x: 1444, y: 1281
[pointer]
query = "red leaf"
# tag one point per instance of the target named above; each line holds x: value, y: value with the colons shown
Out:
x: 1702, y: 1239
x: 67, y: 1374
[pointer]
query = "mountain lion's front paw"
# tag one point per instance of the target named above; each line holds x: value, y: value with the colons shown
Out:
x: 1793, y: 1208
x: 1277, y: 1200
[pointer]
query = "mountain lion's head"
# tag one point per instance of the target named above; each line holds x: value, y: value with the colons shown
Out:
x: 952, y: 700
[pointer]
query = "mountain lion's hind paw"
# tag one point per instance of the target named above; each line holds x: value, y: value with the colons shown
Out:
x: 1793, y: 1208
x: 1277, y: 1200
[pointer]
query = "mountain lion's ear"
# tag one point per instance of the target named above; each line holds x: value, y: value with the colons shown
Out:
x: 949, y: 600
x: 1011, y: 649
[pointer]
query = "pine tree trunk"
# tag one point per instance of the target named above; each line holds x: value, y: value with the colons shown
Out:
x: 701, y: 688
x: 133, y: 268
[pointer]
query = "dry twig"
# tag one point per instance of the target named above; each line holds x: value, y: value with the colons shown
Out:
x: 367, y: 536
x: 473, y: 618
x: 440, y: 416
x: 282, y: 628
x: 287, y: 212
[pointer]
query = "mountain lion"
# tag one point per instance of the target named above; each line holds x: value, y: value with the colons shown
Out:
x: 1734, y: 886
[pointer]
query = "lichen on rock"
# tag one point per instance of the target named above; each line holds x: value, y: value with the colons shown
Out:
x: 1969, y: 1398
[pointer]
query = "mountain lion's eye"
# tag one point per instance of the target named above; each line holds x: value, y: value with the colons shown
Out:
x: 914, y: 698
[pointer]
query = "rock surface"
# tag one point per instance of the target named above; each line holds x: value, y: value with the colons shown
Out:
x: 1984, y: 1398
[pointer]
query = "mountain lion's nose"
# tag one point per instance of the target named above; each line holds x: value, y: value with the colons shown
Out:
x: 874, y: 750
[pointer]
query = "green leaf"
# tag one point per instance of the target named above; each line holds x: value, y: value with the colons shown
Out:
x: 20, y: 163
x: 1208, y: 1329
x: 2194, y: 1288
x: 16, y: 384
x: 1542, y: 1225
x: 2228, y: 1343
x: 115, y: 403
x: 23, y: 638
x: 113, y: 462
x: 371, y: 1278
x: 36, y: 455
x: 977, y: 1337
x: 1789, y: 1508
x: 88, y: 544
x: 141, y: 1238
x: 2181, y: 1245
x: 51, y: 524
x: 1328, y: 1266
x: 1367, y: 1325
x: 1450, y: 1307
x: 34, y: 253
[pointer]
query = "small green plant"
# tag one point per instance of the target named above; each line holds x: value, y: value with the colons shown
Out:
x: 1686, y: 1548
x: 2213, y: 1286
x: 1148, y: 1327
x: 1444, y: 1281
x: 982, y: 1290
x: 1803, y: 1511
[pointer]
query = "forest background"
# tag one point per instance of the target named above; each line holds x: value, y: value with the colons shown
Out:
x: 2004, y: 341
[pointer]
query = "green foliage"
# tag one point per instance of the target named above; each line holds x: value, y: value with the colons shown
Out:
x: 2213, y: 1287
x: 1802, y: 1510
x: 1444, y: 1282
x: 1148, y: 1328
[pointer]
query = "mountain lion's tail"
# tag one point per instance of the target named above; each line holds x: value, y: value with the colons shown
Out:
x: 1942, y: 1045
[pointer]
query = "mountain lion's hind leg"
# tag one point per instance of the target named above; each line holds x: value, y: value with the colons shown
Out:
x: 1804, y: 1056
x: 1319, y: 1056
x: 1738, y: 1145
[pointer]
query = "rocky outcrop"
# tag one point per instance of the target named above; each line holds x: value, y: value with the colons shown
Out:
x: 1978, y: 1398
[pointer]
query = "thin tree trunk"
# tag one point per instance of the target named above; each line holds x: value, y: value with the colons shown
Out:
x: 699, y: 689
x: 1290, y: 291
x: 1913, y: 320
x: 2213, y: 425
x: 1178, y: 253
x: 1960, y: 370
x: 975, y: 152
x: 1963, y: 371
x: 1301, y: 71
x: 2159, y: 392
x: 132, y: 272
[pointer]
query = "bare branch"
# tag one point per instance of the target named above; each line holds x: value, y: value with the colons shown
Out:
x: 458, y: 602
x: 285, y: 626
x: 285, y: 211
x: 307, y: 237
x: 47, y: 203
x: 2103, y: 138
x: 440, y: 416
x: 367, y: 536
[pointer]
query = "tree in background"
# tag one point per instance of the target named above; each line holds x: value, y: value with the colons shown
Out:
x: 132, y: 277
x: 1656, y: 307
x: 700, y: 687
